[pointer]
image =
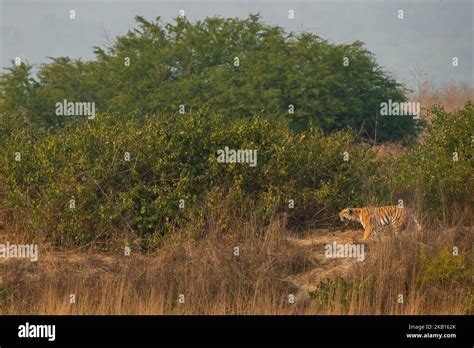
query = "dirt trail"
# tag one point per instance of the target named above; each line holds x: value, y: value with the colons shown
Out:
x: 324, y: 267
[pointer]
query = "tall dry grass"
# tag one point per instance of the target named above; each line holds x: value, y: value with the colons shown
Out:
x: 403, y: 265
x: 451, y: 95
x: 215, y: 281
x: 205, y: 270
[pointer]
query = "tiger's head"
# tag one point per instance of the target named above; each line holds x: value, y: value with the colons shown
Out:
x: 349, y: 214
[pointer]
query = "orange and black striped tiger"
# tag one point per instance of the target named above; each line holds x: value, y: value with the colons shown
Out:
x: 374, y: 218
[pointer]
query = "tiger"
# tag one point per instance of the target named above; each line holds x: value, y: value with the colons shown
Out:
x: 374, y: 218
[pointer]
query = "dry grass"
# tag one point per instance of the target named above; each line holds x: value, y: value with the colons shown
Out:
x: 451, y: 96
x: 205, y: 270
x: 270, y: 267
x: 400, y: 265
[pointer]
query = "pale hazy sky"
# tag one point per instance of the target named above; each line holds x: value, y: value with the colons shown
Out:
x: 430, y: 35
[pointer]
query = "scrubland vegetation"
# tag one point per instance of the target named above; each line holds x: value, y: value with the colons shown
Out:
x: 144, y: 175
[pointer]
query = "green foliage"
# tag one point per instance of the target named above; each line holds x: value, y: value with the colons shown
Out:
x: 340, y: 291
x: 430, y: 168
x: 172, y: 157
x: 442, y: 267
x: 193, y: 64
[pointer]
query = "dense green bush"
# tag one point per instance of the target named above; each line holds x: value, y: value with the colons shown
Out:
x: 438, y: 170
x: 172, y: 157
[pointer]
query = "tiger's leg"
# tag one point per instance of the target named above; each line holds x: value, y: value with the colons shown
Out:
x: 398, y: 227
x: 367, y: 232
x: 364, y: 219
x: 400, y: 222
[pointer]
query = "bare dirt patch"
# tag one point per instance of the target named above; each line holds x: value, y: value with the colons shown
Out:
x: 325, y: 268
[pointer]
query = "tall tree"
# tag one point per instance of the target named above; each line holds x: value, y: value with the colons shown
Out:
x: 236, y: 67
